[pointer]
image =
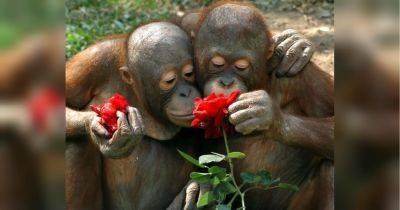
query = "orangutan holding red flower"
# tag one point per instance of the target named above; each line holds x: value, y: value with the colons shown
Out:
x: 128, y: 151
x: 287, y: 124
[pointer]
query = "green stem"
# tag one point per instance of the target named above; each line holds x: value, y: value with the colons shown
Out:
x: 231, y: 169
x: 271, y: 188
x: 252, y: 188
x: 235, y: 195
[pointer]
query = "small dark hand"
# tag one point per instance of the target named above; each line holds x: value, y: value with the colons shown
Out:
x: 130, y: 131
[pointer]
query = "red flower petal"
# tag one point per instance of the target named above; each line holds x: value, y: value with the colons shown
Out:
x: 196, y: 123
x: 118, y: 102
x: 210, y: 113
x: 232, y: 97
x: 108, y: 111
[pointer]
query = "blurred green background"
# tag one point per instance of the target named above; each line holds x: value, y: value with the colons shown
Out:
x: 89, y: 20
x: 21, y: 18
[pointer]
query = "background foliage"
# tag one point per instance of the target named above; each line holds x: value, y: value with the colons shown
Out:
x: 89, y: 20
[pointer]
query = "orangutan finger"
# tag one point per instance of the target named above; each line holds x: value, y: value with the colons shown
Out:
x: 240, y: 105
x: 252, y: 95
x: 245, y: 114
x: 248, y: 126
x: 280, y: 37
x: 122, y: 122
x: 98, y: 129
x: 135, y: 120
x: 290, y: 58
x: 300, y: 62
x: 140, y: 121
x: 122, y: 131
x: 192, y: 192
x: 283, y: 47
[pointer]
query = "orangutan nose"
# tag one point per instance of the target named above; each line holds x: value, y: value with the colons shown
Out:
x: 185, y: 92
x: 226, y: 82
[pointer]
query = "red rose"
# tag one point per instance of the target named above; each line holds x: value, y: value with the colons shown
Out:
x: 210, y: 113
x: 108, y: 111
x: 42, y: 105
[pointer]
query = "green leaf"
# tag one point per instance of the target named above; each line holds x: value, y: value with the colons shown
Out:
x: 288, y: 187
x: 223, y: 207
x: 215, y: 153
x: 237, y: 155
x: 215, y: 181
x: 217, y: 171
x: 219, y: 193
x: 200, y: 177
x: 223, y: 189
x: 204, y: 159
x: 248, y: 177
x: 227, y: 178
x: 205, y: 199
x: 263, y: 177
x: 266, y: 178
x: 191, y: 159
x: 228, y: 187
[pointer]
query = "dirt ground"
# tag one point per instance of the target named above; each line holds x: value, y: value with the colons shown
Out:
x: 320, y: 30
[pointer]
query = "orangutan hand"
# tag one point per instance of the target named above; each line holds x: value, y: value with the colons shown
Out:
x: 130, y: 131
x: 188, y: 197
x: 294, y: 51
x: 255, y: 111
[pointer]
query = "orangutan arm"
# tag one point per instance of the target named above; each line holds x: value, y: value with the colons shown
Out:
x: 311, y: 92
x: 76, y: 122
x: 85, y: 72
x: 315, y: 131
x: 316, y: 134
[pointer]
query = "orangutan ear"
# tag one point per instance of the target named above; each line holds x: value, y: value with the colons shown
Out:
x: 189, y: 23
x: 126, y: 75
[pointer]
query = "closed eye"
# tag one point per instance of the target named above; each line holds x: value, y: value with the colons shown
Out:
x: 170, y: 81
x: 218, y: 65
x: 242, y: 64
x: 218, y: 61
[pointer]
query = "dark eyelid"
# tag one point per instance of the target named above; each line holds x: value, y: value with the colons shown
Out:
x: 218, y: 55
x: 240, y: 67
x: 170, y: 80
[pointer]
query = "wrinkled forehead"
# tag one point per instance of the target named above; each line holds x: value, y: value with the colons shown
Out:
x: 232, y: 26
x: 158, y: 44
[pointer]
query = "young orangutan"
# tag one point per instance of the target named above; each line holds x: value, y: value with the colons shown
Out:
x: 157, y: 78
x: 287, y: 123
